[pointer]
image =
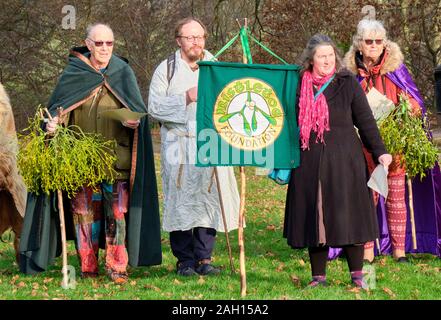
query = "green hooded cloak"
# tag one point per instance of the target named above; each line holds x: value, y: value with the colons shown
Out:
x: 41, y: 239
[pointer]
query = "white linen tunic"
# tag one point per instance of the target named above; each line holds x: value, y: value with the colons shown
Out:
x: 191, y: 197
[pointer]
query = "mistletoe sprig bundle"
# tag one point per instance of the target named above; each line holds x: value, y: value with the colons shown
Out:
x: 404, y: 134
x: 65, y: 160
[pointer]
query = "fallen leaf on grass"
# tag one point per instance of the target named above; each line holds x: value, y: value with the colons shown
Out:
x: 47, y: 280
x: 133, y: 283
x: 382, y: 262
x: 280, y: 267
x: 354, y: 290
x: 389, y: 292
x: 14, y: 279
x: 35, y: 286
x: 269, y: 254
x: 295, y: 280
x: 201, y: 280
x: 302, y: 262
x: 149, y: 286
x: 21, y: 284
x: 271, y: 227
x: 176, y: 281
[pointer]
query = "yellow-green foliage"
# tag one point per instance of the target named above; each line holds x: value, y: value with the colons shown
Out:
x: 66, y: 160
x: 404, y: 134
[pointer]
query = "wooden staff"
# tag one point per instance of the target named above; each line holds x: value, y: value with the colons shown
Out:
x: 243, y: 275
x: 412, y: 215
x: 224, y: 220
x: 63, y: 238
x: 64, y: 283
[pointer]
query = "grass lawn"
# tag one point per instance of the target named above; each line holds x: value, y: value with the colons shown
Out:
x: 274, y: 270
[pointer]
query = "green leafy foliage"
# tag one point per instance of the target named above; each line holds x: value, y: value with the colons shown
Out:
x: 66, y: 160
x: 404, y: 134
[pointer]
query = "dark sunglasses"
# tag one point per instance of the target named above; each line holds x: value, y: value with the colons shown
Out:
x: 371, y: 41
x: 100, y: 43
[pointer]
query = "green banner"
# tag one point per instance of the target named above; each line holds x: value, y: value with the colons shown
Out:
x: 246, y: 115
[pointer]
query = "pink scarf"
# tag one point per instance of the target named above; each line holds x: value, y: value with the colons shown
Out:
x: 313, y: 115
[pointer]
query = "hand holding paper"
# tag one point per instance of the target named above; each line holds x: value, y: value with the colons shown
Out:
x: 385, y: 160
x: 132, y: 124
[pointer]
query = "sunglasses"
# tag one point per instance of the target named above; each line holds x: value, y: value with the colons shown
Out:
x: 371, y: 41
x: 100, y: 43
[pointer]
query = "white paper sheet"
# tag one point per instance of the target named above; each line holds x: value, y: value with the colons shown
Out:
x: 378, y: 181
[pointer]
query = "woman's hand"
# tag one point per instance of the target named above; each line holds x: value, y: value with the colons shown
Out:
x: 385, y: 160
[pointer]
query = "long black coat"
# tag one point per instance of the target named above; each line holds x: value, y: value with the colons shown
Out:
x: 339, y: 164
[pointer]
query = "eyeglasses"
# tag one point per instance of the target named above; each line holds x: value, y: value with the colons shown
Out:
x: 100, y: 43
x: 193, y: 38
x: 371, y: 41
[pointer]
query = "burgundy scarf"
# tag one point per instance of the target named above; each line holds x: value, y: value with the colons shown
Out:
x: 313, y: 115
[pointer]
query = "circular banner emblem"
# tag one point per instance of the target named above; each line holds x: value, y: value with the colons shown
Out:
x: 248, y: 115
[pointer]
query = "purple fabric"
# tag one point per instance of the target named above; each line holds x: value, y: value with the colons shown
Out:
x: 402, y: 78
x: 426, y: 196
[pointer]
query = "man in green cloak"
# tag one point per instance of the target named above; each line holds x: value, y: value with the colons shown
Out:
x: 94, y: 81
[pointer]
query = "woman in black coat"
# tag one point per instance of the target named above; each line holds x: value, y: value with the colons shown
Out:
x: 328, y: 201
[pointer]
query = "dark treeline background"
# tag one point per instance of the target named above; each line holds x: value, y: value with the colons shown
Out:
x: 34, y: 46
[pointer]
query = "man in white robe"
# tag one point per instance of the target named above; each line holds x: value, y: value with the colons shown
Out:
x: 192, y: 212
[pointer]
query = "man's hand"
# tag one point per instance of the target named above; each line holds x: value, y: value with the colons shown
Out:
x: 52, y: 125
x: 132, y: 124
x: 191, y: 95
